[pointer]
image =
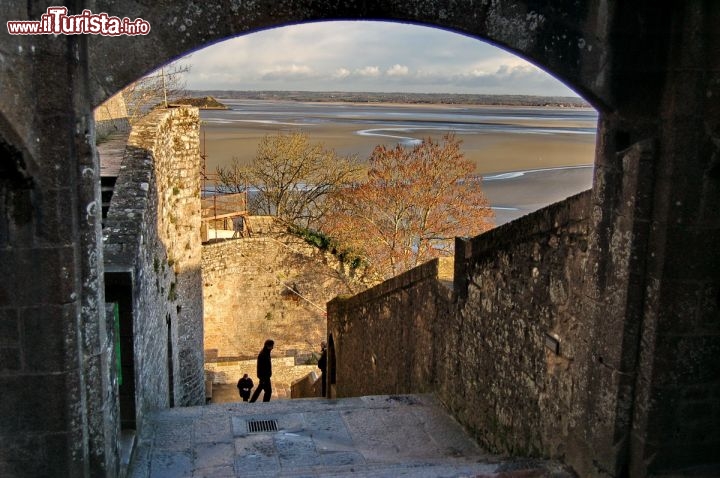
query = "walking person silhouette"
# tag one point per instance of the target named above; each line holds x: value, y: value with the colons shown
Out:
x: 264, y: 372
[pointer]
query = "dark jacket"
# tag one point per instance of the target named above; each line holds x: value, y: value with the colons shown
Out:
x: 322, y: 361
x: 245, y: 384
x: 264, y: 365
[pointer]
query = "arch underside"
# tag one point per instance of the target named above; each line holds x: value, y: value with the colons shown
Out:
x: 554, y: 37
x: 650, y: 288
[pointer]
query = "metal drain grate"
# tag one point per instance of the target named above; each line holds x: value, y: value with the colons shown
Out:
x: 260, y: 426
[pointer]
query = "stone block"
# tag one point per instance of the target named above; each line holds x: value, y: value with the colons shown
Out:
x: 35, y: 403
x: 9, y: 326
x: 687, y: 360
x: 691, y: 255
x: 57, y: 286
x: 169, y: 464
x: 44, y: 337
x: 9, y: 284
x: 33, y: 455
x: 9, y: 359
x: 213, y: 454
x: 53, y: 226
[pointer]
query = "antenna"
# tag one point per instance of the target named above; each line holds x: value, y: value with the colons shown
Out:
x: 162, y: 74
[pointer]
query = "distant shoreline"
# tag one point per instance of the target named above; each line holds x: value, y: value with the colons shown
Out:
x: 207, y: 102
x: 399, y: 98
x: 522, y: 171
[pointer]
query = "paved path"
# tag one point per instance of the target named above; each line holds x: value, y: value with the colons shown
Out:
x: 111, y: 153
x: 377, y: 436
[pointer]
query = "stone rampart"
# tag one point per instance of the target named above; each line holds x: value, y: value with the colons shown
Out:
x: 500, y: 351
x: 267, y: 286
x: 111, y: 117
x: 152, y: 232
x: 510, y: 369
x: 385, y: 337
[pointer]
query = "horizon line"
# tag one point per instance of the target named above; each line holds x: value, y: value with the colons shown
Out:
x: 387, y: 93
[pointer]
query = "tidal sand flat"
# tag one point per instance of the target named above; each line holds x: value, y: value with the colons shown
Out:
x: 541, y: 147
x: 516, y: 194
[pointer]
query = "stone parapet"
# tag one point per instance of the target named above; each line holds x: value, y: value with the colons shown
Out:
x: 152, y: 233
x: 509, y: 359
x: 500, y: 350
x: 383, y: 339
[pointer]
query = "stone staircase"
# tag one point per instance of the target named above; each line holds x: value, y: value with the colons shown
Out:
x: 374, y: 436
x: 226, y: 375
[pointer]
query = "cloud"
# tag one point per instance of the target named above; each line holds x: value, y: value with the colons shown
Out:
x: 371, y: 71
x: 341, y: 73
x: 366, y: 56
x: 397, y: 70
x: 518, y: 76
x: 288, y: 72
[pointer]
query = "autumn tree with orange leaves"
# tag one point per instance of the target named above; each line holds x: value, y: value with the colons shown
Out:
x: 412, y: 206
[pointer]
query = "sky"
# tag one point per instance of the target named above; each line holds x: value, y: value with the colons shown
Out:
x: 365, y: 56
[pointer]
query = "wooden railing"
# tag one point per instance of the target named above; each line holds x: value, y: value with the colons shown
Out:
x: 221, y: 205
x: 220, y: 212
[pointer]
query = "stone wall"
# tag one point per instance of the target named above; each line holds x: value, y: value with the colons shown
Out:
x: 509, y: 361
x: 308, y: 386
x: 178, y: 167
x: 385, y: 337
x: 153, y: 232
x: 502, y: 355
x: 113, y: 108
x: 111, y: 117
x: 285, y: 372
x: 248, y: 298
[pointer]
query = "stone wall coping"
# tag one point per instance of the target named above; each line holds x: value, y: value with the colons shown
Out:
x: 244, y: 240
x: 123, y: 228
x: 537, y: 223
x: 425, y: 271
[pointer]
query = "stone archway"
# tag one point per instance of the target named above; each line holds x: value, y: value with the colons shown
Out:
x: 653, y: 72
x: 567, y: 40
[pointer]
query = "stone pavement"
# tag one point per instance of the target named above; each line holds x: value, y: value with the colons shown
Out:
x: 376, y: 436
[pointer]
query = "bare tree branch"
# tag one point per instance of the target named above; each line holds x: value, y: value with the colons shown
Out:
x: 161, y: 87
x: 291, y: 178
x: 412, y: 206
